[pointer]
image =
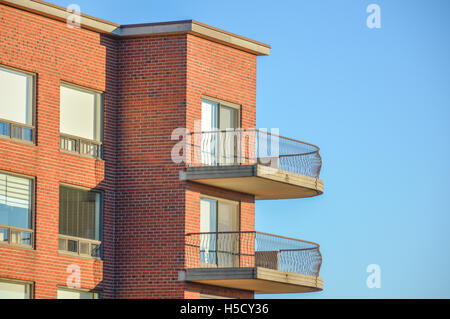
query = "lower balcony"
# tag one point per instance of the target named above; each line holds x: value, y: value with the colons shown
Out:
x: 255, y: 261
x: 254, y: 162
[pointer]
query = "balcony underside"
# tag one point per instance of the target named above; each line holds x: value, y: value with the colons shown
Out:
x: 261, y: 181
x: 260, y: 280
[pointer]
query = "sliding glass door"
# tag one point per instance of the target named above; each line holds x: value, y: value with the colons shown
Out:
x: 219, y: 141
x: 219, y: 225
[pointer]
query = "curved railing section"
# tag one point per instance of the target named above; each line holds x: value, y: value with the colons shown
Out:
x: 252, y: 249
x: 246, y: 147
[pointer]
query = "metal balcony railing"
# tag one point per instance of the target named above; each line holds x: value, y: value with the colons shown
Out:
x: 247, y: 147
x: 252, y: 249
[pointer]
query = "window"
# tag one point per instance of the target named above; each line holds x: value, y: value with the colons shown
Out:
x: 14, y: 290
x: 218, y: 145
x: 79, y: 221
x: 16, y: 104
x: 64, y: 293
x: 219, y: 225
x: 16, y: 210
x: 207, y: 296
x: 81, y: 120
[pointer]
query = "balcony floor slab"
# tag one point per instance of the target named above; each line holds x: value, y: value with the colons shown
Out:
x: 258, y: 279
x: 261, y: 181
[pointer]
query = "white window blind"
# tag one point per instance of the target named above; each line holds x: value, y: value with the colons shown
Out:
x: 12, y: 290
x: 80, y: 112
x: 15, y: 191
x: 76, y: 294
x: 16, y: 96
x: 209, y: 116
x: 228, y: 217
x: 79, y: 213
x: 209, y: 139
x: 208, y: 212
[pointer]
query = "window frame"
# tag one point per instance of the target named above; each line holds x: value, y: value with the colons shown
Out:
x: 221, y: 103
x: 65, y: 138
x: 238, y: 228
x: 94, y: 291
x: 33, y: 102
x: 32, y: 214
x: 210, y: 152
x: 209, y: 296
x: 230, y: 201
x: 30, y: 285
x: 81, y: 239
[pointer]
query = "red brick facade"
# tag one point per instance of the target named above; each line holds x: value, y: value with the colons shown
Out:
x: 152, y: 85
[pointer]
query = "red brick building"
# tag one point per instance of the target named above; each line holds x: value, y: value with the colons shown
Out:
x: 92, y: 202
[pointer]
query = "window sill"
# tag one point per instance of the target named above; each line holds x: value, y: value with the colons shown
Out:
x: 81, y: 155
x: 86, y: 253
x: 17, y: 140
x: 17, y: 246
x: 69, y: 254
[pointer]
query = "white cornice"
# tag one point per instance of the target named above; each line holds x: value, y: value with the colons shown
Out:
x: 147, y: 29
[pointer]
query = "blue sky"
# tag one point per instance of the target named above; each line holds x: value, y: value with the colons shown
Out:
x: 377, y: 102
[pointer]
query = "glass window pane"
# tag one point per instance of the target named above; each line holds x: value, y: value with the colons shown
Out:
x: 62, y: 242
x: 228, y: 117
x: 80, y: 112
x: 15, y: 96
x: 26, y: 238
x: 79, y: 213
x: 27, y: 134
x: 220, y: 248
x: 228, y: 243
x: 4, y: 128
x: 95, y: 250
x: 75, y: 294
x: 15, y: 237
x: 72, y: 246
x: 209, y: 116
x: 228, y: 216
x: 16, y: 131
x: 208, y: 222
x: 69, y: 144
x: 12, y: 290
x: 209, y: 139
x: 84, y: 248
x: 208, y: 212
x: 3, y: 234
x: 15, y: 201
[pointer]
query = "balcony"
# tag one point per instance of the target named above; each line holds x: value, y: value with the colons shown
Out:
x: 254, y: 162
x: 254, y: 261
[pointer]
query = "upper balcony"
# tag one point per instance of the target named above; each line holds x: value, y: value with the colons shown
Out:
x: 254, y: 162
x: 255, y: 261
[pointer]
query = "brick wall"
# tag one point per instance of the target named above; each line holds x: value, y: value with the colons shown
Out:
x: 227, y: 74
x: 55, y: 52
x: 150, y: 197
x: 152, y: 85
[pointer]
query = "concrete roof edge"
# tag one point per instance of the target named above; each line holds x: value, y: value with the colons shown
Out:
x: 145, y: 29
